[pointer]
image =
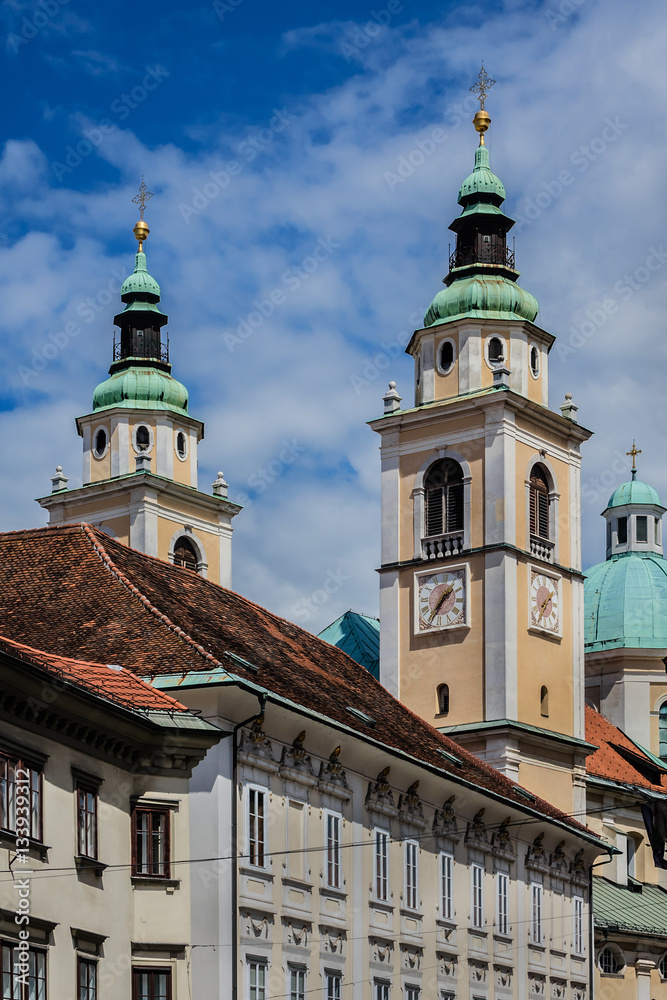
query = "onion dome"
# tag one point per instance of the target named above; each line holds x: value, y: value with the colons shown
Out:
x: 625, y: 602
x: 140, y: 282
x: 482, y: 297
x: 141, y: 388
x: 481, y: 182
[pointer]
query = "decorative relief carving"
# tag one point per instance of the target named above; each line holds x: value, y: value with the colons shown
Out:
x: 331, y: 940
x: 410, y: 809
x: 558, y: 861
x: 536, y: 856
x: 447, y: 966
x: 476, y: 832
x: 503, y: 977
x: 379, y: 796
x: 297, y: 934
x: 578, y: 870
x: 381, y: 951
x: 295, y: 758
x: 501, y: 840
x: 255, y: 747
x: 578, y: 991
x: 479, y: 972
x: 558, y: 989
x: 536, y: 985
x: 411, y: 958
x: 257, y: 928
x: 333, y: 773
x: 444, y: 821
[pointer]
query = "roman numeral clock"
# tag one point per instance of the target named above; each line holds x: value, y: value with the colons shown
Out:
x: 441, y: 599
x: 545, y: 602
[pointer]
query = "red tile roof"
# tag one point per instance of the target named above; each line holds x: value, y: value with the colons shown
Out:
x: 78, y: 593
x: 109, y: 681
x: 618, y: 758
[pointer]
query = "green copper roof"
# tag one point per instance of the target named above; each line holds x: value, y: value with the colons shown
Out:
x: 141, y: 388
x: 482, y: 181
x: 622, y: 907
x: 140, y: 281
x: 625, y: 603
x: 484, y: 297
x: 634, y: 492
x: 359, y: 637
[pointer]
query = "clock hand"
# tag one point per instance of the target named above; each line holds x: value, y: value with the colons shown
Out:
x: 544, y: 604
x: 440, y: 603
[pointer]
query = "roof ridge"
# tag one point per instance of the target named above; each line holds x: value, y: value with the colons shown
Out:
x: 126, y: 582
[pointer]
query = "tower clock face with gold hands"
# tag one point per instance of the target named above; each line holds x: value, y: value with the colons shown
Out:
x: 544, y: 602
x: 441, y: 599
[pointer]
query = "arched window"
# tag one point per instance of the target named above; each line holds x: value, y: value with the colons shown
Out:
x: 100, y: 445
x: 446, y: 356
x: 181, y: 444
x: 185, y: 554
x: 544, y: 702
x: 609, y: 961
x: 535, y: 361
x: 143, y: 438
x: 443, y: 699
x: 496, y: 351
x: 539, y: 503
x: 663, y: 729
x: 443, y: 487
x: 662, y: 967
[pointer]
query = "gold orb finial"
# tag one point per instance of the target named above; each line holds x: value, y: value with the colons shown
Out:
x: 141, y: 230
x: 481, y: 88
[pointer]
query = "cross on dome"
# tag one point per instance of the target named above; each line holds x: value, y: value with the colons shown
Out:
x: 482, y: 87
x: 145, y: 195
x: 634, y: 452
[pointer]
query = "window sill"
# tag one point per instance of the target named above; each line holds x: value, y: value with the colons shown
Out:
x: 85, y: 864
x: 382, y: 904
x: 8, y: 840
x: 328, y: 890
x: 172, y: 883
x: 262, y: 873
x: 414, y: 914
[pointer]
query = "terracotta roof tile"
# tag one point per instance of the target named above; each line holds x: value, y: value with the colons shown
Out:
x: 79, y: 593
x: 607, y: 762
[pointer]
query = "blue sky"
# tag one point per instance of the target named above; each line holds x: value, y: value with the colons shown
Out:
x: 275, y: 136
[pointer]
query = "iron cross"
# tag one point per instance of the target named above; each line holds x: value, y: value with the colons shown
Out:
x: 141, y: 198
x: 482, y: 87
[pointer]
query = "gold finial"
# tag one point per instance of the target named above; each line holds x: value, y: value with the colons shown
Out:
x: 635, y: 451
x: 481, y: 88
x: 141, y: 230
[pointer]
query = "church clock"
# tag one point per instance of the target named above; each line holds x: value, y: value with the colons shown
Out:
x: 545, y: 602
x: 441, y: 599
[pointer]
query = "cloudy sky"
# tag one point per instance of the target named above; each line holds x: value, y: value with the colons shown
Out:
x: 271, y: 131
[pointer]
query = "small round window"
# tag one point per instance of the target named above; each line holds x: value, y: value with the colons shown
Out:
x: 446, y: 356
x: 534, y: 361
x: 496, y: 350
x: 181, y: 445
x: 609, y: 962
x: 100, y: 445
x: 143, y: 437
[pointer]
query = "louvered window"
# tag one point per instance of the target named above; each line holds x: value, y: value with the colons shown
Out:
x: 444, y: 497
x: 184, y: 554
x: 539, y: 503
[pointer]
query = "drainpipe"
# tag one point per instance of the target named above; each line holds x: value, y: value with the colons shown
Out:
x: 235, y: 863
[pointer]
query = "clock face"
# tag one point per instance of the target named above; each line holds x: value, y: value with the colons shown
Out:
x: 544, y: 602
x: 441, y: 599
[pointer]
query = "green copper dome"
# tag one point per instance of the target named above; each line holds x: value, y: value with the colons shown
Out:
x: 140, y: 281
x: 482, y: 181
x: 625, y: 602
x: 484, y: 297
x: 141, y: 388
x: 634, y: 492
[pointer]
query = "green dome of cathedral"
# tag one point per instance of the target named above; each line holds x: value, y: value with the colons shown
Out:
x: 485, y: 297
x: 482, y: 181
x: 141, y: 388
x: 633, y: 492
x: 625, y: 602
x: 140, y: 281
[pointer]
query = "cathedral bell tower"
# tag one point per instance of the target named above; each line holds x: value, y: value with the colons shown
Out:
x: 481, y: 603
x: 140, y: 446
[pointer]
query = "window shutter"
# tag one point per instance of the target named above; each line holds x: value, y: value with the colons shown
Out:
x: 434, y: 511
x: 455, y: 507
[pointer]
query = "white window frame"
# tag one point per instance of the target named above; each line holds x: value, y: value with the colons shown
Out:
x: 256, y: 992
x: 411, y: 867
x: 381, y: 845
x: 333, y: 829
x: 447, y: 885
x: 477, y: 873
x: 412, y: 992
x: 333, y: 985
x: 296, y: 982
x: 503, y: 903
x: 578, y: 936
x: 249, y: 792
x: 537, y: 913
x: 381, y: 989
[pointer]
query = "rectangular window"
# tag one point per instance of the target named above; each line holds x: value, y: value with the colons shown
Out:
x: 20, y: 792
x: 86, y: 979
x: 297, y: 984
x: 380, y: 990
x: 622, y: 530
x: 256, y: 812
x: 642, y: 527
x: 150, y: 842
x: 536, y: 930
x: 23, y: 980
x: 151, y: 984
x: 332, y: 985
x: 333, y: 828
x: 447, y: 886
x: 412, y: 875
x: 86, y: 818
x: 656, y: 530
x: 381, y: 865
x: 578, y: 913
x: 477, y: 874
x: 256, y: 980
x: 412, y: 993
x: 503, y: 883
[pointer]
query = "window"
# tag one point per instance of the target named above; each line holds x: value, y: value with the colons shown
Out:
x: 86, y: 821
x: 86, y: 988
x: 622, y: 529
x: 642, y: 527
x: 536, y: 930
x: 477, y: 874
x: 447, y: 886
x: 297, y: 984
x: 100, y: 445
x: 443, y: 487
x: 608, y: 534
x: 23, y: 973
x: 534, y: 361
x: 181, y: 445
x: 256, y: 811
x: 609, y: 962
x: 446, y: 356
x: 20, y: 785
x: 151, y: 984
x: 150, y: 842
x: 185, y: 554
x: 381, y: 990
x: 662, y: 967
x: 332, y: 984
x: 633, y: 844
x: 496, y: 351
x: 443, y: 699
x: 656, y: 525
x: 411, y: 874
x: 663, y: 729
x: 503, y: 886
x: 412, y: 993
x: 142, y: 436
x: 539, y: 503
x: 381, y: 865
x: 578, y: 936
x: 544, y: 702
x: 256, y: 980
x: 333, y: 826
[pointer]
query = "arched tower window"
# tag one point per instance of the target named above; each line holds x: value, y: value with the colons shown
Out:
x: 143, y: 437
x: 443, y: 699
x: 443, y: 487
x: 184, y: 554
x: 539, y: 502
x: 544, y: 702
x: 663, y: 729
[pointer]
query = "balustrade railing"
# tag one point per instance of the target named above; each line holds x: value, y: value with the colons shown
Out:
x: 541, y: 548
x: 442, y: 546
x: 484, y: 254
